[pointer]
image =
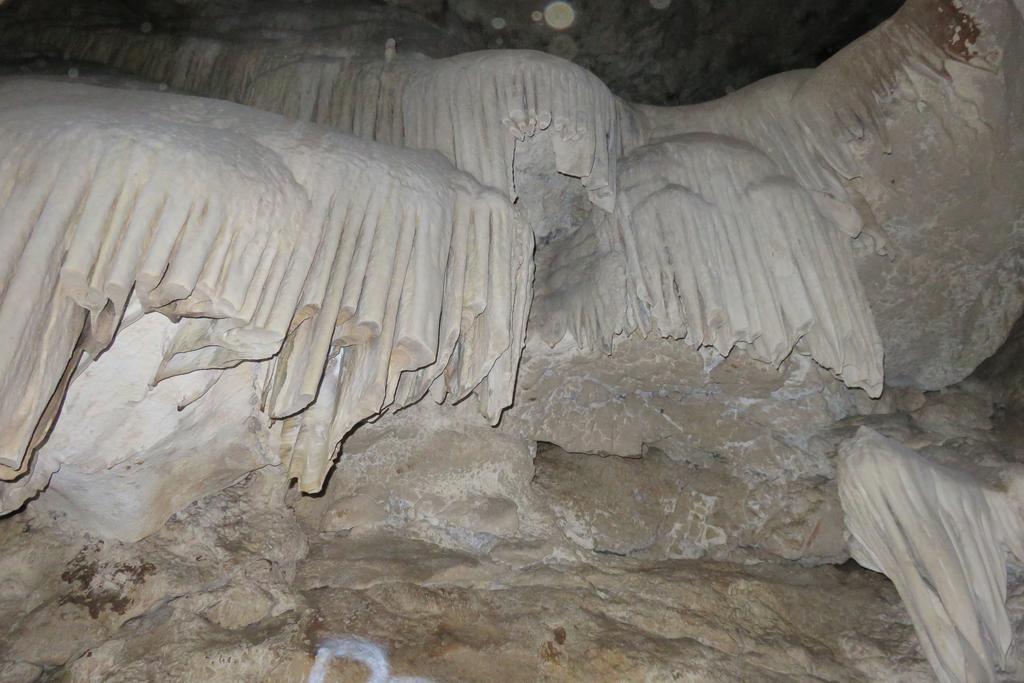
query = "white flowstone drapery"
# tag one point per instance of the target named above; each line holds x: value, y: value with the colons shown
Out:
x: 723, y: 250
x: 942, y: 535
x: 473, y: 108
x: 270, y: 241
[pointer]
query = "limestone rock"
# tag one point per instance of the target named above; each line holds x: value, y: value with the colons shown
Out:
x: 652, y: 506
x: 1004, y: 372
x: 954, y: 412
x: 661, y: 393
x: 444, y: 477
x: 722, y: 456
x: 19, y: 672
x: 227, y: 592
x: 119, y: 467
x: 233, y: 551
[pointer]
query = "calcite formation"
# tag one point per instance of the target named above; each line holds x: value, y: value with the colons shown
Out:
x: 243, y: 302
x: 106, y: 463
x: 928, y: 100
x: 473, y: 108
x: 268, y: 242
x: 355, y: 236
x: 723, y: 250
x: 942, y: 534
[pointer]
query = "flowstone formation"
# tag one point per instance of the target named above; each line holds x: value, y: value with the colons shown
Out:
x: 323, y: 256
x: 586, y: 389
x: 943, y: 536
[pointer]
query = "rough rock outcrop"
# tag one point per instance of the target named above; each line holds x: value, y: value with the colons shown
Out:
x: 660, y: 506
x: 236, y: 588
x: 433, y: 473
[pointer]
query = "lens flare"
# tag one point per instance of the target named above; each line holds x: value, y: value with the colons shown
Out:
x: 559, y: 15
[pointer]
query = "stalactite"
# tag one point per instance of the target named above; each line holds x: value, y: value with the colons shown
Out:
x: 722, y: 250
x: 267, y: 241
x: 942, y: 535
x: 473, y: 108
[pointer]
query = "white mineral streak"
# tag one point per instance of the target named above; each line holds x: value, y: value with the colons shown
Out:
x: 723, y: 250
x: 474, y: 108
x: 269, y: 240
x: 942, y: 536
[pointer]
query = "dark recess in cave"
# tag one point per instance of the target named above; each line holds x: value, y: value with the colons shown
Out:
x: 649, y: 51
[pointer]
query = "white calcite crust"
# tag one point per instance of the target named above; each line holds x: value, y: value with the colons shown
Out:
x: 723, y: 250
x: 943, y: 535
x: 270, y: 241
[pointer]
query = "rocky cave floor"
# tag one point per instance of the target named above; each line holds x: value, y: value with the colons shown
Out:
x: 236, y: 588
x: 244, y: 584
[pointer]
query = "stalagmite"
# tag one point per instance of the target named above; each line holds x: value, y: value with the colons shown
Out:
x: 942, y: 534
x: 270, y: 242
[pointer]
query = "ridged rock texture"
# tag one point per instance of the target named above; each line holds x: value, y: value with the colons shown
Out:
x: 942, y: 534
x: 393, y: 270
x: 912, y: 134
x: 473, y: 107
x: 722, y: 250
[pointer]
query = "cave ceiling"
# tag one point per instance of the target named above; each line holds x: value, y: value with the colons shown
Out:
x: 664, y: 52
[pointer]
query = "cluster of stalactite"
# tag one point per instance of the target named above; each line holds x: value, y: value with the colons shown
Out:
x: 305, y: 248
x: 722, y: 250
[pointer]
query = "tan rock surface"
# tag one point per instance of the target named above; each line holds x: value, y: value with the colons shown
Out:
x: 227, y: 592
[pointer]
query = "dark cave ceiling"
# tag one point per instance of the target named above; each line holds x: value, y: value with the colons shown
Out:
x: 652, y: 51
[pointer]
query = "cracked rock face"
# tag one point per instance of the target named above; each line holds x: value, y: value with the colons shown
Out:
x: 236, y: 585
x: 429, y: 340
